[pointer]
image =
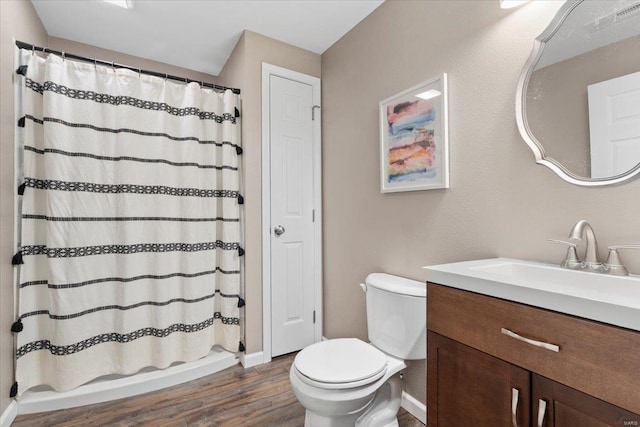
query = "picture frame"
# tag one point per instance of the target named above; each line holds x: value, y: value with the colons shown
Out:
x: 414, y: 138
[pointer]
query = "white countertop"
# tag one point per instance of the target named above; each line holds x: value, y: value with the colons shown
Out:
x: 609, y: 299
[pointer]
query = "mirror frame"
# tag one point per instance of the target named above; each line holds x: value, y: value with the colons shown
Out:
x: 521, y: 110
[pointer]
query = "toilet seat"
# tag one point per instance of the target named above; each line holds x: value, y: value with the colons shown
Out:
x: 340, y: 364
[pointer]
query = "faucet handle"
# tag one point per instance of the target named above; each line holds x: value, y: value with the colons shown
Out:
x: 630, y: 246
x: 571, y: 259
x: 562, y: 242
x: 614, y: 263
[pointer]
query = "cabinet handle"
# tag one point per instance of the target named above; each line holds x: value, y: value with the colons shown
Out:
x: 515, y: 394
x: 548, y: 346
x: 542, y: 409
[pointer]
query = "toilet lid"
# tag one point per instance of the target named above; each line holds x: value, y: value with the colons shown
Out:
x: 342, y: 360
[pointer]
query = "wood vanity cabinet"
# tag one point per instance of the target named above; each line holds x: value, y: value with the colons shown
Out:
x: 472, y: 388
x: 566, y: 407
x: 479, y: 375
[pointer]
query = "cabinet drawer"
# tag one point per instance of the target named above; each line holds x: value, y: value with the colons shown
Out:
x: 597, y: 359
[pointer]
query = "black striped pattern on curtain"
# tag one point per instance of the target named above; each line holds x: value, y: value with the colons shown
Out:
x: 131, y: 231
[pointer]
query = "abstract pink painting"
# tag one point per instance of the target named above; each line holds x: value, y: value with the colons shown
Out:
x: 414, y: 151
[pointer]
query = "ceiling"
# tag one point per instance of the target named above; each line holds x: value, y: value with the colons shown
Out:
x: 580, y: 32
x: 200, y: 34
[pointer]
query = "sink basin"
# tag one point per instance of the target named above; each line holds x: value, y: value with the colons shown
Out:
x: 610, y: 299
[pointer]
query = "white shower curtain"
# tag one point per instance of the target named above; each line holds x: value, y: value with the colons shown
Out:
x: 131, y: 233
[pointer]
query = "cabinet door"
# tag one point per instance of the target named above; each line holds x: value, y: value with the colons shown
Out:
x: 556, y: 405
x: 466, y: 387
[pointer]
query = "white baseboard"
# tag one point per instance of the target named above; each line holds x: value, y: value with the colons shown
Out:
x: 252, y: 359
x: 414, y: 407
x: 9, y: 414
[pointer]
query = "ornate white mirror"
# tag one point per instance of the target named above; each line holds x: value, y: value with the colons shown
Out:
x: 578, y: 98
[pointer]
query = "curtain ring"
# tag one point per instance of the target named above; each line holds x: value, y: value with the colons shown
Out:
x: 166, y: 76
x: 33, y: 50
x: 139, y: 73
x: 95, y: 63
x: 113, y: 66
x: 63, y: 58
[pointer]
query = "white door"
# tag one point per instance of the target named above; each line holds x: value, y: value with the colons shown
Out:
x: 292, y: 217
x: 614, y: 125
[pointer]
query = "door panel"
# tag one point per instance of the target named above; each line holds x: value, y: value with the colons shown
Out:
x: 566, y: 407
x: 614, y: 125
x: 467, y: 387
x: 294, y: 302
x: 292, y: 254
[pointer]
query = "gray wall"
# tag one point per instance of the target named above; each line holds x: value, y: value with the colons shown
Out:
x: 18, y: 20
x: 244, y: 69
x: 500, y: 202
x: 89, y: 51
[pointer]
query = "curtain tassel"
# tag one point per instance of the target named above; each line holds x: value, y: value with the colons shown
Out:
x: 241, y: 347
x: 22, y: 70
x: 238, y: 150
x: 241, y: 302
x: 240, y: 251
x: 17, y: 326
x: 14, y: 390
x: 21, y: 122
x: 240, y: 199
x: 17, y: 259
x: 21, y: 188
x: 237, y: 112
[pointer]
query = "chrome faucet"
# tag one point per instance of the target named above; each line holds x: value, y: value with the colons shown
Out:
x: 612, y: 266
x: 583, y: 228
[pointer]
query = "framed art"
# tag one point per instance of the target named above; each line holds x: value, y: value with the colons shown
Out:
x: 414, y: 146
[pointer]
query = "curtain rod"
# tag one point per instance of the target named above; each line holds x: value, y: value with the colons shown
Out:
x: 23, y: 45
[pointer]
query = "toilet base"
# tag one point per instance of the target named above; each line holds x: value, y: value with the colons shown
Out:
x: 314, y: 420
x: 381, y: 411
x: 311, y: 419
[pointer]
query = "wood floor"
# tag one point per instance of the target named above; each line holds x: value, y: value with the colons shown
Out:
x: 258, y: 396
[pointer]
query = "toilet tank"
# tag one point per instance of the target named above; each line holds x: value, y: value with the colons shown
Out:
x: 397, y: 315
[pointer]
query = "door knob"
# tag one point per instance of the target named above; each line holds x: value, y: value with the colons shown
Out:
x: 278, y: 230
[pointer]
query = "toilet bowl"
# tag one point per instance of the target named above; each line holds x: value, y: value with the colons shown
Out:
x: 347, y: 382
x: 341, y: 383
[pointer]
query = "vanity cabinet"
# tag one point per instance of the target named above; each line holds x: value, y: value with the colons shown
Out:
x: 566, y: 407
x: 492, y: 362
x: 468, y: 383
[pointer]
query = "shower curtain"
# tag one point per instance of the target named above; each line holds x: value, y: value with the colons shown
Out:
x: 130, y: 245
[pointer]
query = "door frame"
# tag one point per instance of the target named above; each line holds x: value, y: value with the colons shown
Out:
x: 269, y: 70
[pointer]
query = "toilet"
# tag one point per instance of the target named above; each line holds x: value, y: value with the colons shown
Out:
x: 347, y: 382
